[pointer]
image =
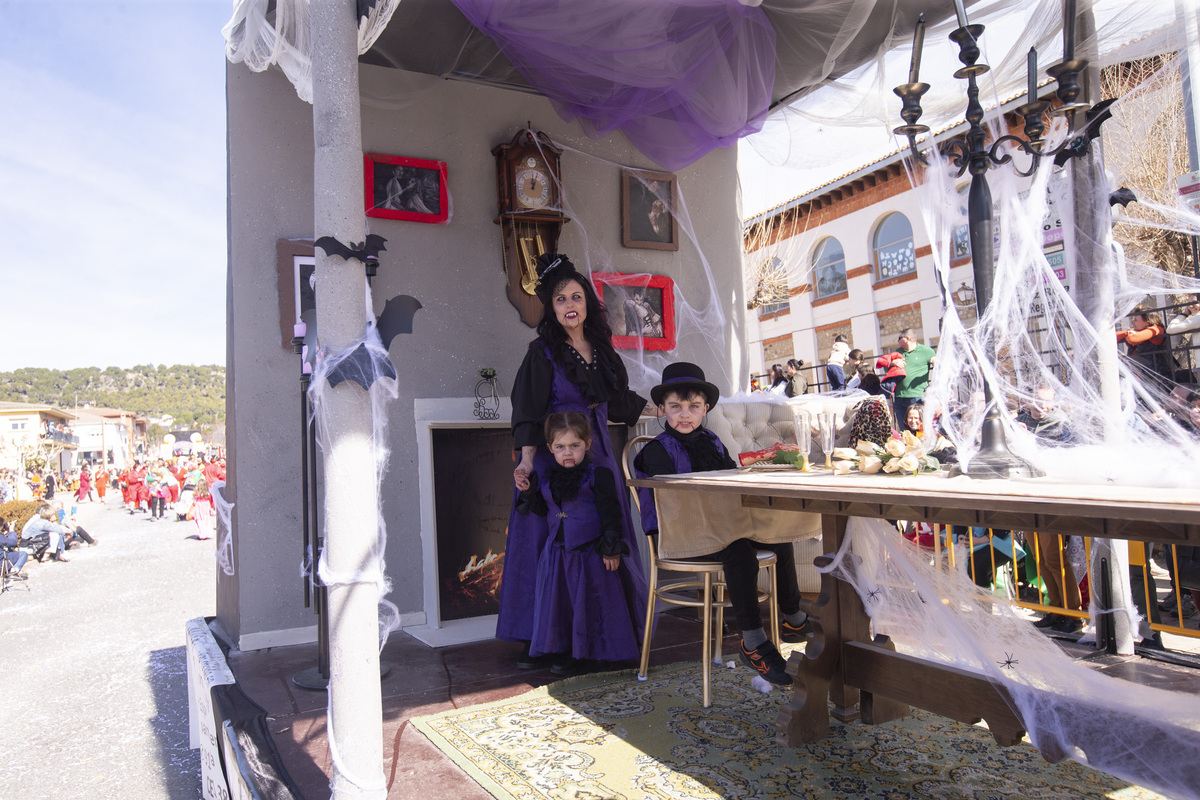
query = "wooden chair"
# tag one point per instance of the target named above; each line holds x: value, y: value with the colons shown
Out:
x: 704, y: 589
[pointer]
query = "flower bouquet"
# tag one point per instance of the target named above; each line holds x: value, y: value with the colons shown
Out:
x: 904, y: 455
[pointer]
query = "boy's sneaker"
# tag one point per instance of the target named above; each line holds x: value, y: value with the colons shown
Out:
x: 793, y: 634
x: 765, y: 659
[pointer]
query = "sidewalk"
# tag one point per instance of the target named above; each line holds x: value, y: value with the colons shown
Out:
x: 96, y: 687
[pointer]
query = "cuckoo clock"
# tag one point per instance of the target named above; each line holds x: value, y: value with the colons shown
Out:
x: 531, y: 214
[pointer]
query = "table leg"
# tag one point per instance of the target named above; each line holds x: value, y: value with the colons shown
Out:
x: 838, y: 616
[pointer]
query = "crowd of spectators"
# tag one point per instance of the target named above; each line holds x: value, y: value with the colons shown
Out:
x: 40, y: 505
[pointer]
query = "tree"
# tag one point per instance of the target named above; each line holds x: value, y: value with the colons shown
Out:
x: 1145, y: 146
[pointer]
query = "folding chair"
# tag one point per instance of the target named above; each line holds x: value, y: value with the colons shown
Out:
x: 707, y: 577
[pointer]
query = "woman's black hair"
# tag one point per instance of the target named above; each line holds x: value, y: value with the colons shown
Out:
x: 778, y: 376
x: 554, y: 270
x: 869, y: 383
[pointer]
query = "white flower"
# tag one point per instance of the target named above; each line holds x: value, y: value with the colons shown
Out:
x: 895, y: 447
x: 911, y: 442
x: 891, y: 465
x: 848, y: 453
x: 842, y: 467
x: 909, y: 463
x: 870, y: 464
x: 867, y: 448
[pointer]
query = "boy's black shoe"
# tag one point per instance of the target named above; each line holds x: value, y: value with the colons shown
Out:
x: 765, y: 659
x: 795, y: 635
x: 1069, y: 625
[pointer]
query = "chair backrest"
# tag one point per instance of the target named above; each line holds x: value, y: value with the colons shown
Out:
x: 627, y: 455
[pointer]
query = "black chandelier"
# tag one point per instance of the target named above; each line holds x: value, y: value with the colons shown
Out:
x: 972, y: 154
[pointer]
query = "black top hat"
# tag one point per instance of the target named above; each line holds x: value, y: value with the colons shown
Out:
x: 682, y: 376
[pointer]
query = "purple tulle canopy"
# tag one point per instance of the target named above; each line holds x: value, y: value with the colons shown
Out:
x: 678, y: 77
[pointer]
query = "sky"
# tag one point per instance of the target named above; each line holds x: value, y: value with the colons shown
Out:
x: 112, y: 182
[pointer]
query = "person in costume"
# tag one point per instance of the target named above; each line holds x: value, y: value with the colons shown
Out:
x: 685, y: 445
x: 587, y: 605
x: 201, y: 512
x: 570, y: 366
x: 139, y: 493
x: 85, y: 484
x: 101, y: 478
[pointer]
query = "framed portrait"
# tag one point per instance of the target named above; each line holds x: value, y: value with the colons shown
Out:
x: 405, y: 188
x: 641, y: 309
x: 648, y: 210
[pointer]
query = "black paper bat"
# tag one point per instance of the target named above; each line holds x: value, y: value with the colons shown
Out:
x: 1082, y: 144
x: 362, y: 367
x: 1124, y: 196
x: 365, y: 7
x: 371, y: 248
x: 397, y: 318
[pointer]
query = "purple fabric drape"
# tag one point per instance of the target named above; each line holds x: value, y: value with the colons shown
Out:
x: 678, y: 77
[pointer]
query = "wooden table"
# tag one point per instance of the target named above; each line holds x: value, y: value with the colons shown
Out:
x: 864, y: 677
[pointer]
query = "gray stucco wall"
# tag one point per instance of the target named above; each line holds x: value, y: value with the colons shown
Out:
x: 455, y: 271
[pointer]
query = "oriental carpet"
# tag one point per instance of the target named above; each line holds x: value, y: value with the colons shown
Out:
x: 611, y: 736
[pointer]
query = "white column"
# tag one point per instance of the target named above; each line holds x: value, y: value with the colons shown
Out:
x: 1095, y: 286
x: 355, y: 717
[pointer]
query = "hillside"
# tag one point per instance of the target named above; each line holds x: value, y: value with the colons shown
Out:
x: 192, y: 395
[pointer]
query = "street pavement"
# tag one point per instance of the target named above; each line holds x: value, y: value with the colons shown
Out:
x: 94, y: 697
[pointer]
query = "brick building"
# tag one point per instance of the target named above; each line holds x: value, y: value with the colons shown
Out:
x: 858, y: 262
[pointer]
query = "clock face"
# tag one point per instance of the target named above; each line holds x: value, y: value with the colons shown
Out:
x: 533, y: 188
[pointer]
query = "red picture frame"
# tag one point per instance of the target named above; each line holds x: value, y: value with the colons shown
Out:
x: 641, y: 309
x: 413, y: 189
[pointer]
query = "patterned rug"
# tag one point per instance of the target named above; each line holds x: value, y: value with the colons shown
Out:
x: 610, y: 736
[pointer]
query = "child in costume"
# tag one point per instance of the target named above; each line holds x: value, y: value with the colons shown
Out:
x: 586, y: 605
x: 683, y: 398
x: 201, y: 512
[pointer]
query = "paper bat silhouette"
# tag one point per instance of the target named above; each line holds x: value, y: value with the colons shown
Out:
x: 362, y: 366
x: 365, y: 7
x: 397, y: 318
x: 1124, y: 196
x: 1082, y: 144
x: 371, y: 248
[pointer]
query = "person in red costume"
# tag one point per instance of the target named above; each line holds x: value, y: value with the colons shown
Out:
x: 213, y: 471
x: 139, y: 493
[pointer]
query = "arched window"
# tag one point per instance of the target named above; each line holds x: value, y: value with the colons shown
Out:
x: 894, y: 251
x: 829, y: 268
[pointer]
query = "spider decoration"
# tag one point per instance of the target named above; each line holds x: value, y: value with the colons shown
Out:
x: 873, y: 595
x: 1009, y: 662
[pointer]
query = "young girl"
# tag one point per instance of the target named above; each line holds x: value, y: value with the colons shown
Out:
x: 585, y: 603
x: 202, y: 509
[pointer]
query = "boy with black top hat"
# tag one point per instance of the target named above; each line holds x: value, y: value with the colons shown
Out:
x: 683, y: 398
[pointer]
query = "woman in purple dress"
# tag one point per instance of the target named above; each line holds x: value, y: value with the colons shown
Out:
x: 571, y: 366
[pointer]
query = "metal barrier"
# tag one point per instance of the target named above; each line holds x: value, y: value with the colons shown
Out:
x: 1042, y: 571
